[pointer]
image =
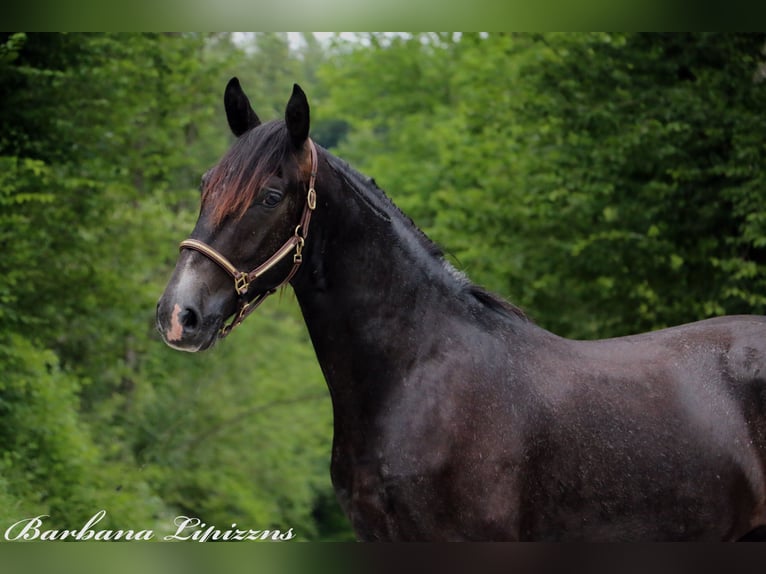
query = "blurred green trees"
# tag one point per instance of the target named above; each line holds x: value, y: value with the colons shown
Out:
x: 608, y: 183
x: 103, y: 141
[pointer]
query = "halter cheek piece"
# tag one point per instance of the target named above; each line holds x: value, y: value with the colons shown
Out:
x: 242, y: 279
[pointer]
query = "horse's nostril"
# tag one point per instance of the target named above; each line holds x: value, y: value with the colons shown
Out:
x: 189, y: 318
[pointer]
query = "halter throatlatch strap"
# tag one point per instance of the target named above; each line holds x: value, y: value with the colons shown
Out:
x: 242, y: 279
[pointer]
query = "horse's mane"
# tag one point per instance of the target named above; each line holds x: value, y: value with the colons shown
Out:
x: 359, y: 182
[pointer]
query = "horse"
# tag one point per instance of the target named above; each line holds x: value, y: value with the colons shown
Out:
x: 455, y: 416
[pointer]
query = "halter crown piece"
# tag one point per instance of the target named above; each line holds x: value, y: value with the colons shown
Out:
x: 242, y: 279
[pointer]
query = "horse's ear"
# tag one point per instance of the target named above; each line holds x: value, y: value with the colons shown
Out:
x: 297, y: 117
x: 238, y: 110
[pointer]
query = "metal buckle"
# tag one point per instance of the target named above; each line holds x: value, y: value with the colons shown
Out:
x: 241, y: 283
x: 298, y: 257
x: 311, y: 200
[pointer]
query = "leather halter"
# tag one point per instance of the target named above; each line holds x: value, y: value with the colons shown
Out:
x: 242, y: 279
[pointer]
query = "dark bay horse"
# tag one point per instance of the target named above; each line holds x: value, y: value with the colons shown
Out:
x: 455, y: 416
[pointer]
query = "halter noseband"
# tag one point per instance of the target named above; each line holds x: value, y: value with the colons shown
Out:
x: 242, y: 279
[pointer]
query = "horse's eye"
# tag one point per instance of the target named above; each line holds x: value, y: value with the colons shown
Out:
x: 272, y: 197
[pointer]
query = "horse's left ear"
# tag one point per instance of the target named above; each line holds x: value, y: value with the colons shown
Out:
x: 238, y: 110
x: 297, y: 117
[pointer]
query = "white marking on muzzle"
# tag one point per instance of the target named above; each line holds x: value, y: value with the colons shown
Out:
x: 176, y: 330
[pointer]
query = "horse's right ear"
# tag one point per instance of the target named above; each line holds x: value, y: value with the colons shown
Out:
x: 297, y: 117
x: 238, y: 110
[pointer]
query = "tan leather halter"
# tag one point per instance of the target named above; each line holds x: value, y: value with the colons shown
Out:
x: 242, y: 279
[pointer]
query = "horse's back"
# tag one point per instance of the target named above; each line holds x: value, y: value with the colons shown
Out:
x: 654, y: 436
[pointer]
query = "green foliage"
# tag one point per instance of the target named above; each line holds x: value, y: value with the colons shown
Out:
x: 646, y: 156
x: 104, y: 141
x: 258, y: 409
x: 50, y: 462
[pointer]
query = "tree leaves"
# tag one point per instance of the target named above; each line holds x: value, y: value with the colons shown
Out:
x: 98, y: 184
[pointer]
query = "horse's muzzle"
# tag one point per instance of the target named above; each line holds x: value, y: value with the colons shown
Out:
x: 183, y: 328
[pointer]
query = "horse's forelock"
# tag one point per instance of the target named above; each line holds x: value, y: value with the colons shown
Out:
x: 235, y: 181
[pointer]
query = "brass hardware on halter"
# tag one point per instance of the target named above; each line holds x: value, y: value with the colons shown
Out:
x: 298, y: 257
x: 311, y: 200
x: 241, y: 283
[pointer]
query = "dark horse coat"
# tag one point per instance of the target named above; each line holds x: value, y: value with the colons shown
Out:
x: 457, y: 418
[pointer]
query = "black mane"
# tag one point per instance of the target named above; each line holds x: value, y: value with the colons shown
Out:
x: 382, y: 203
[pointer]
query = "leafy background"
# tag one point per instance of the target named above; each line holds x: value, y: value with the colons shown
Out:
x: 607, y: 183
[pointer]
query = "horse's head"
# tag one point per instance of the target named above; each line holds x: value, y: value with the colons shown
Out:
x: 256, y: 207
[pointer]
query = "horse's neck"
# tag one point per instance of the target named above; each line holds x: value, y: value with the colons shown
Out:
x: 371, y: 292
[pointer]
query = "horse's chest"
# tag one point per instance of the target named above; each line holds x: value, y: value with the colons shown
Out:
x: 367, y: 504
x: 379, y: 505
x: 384, y: 503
